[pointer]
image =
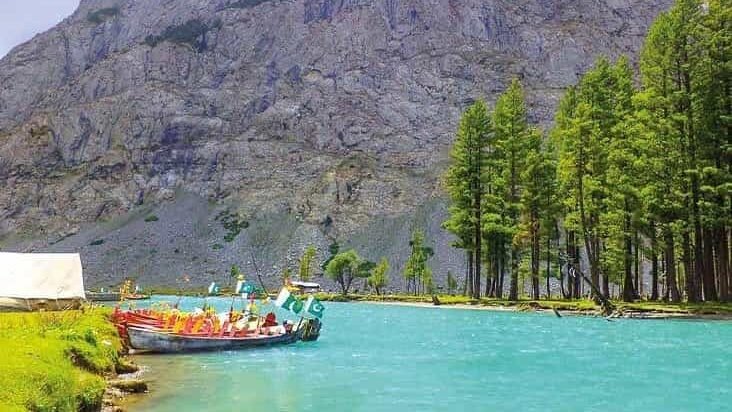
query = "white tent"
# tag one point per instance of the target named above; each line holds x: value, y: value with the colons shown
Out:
x: 30, y: 280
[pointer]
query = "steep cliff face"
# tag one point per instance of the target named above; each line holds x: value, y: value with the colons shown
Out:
x: 309, y: 120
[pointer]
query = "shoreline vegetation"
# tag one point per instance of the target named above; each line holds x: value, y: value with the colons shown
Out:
x: 638, y: 309
x: 644, y: 309
x: 63, y: 361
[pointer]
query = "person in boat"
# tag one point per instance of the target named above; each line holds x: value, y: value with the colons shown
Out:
x: 270, y: 320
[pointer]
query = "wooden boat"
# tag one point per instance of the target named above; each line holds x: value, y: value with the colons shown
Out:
x: 155, y: 340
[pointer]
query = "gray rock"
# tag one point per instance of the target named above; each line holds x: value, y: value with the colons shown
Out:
x: 314, y: 120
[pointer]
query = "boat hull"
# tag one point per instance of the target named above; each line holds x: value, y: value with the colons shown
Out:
x: 163, y: 342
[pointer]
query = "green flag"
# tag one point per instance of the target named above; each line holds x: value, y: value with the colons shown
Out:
x: 286, y: 300
x: 313, y: 307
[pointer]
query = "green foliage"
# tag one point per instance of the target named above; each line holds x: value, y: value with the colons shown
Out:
x: 345, y: 267
x: 306, y: 263
x: 102, y: 15
x: 466, y: 181
x: 192, y: 33
x: 466, y: 175
x: 417, y: 272
x: 379, y: 279
x: 513, y: 143
x: 55, y: 361
x: 333, y: 249
x: 233, y: 223
x: 234, y: 272
x: 286, y: 275
x: 451, y: 283
x: 217, y: 246
x: 151, y: 218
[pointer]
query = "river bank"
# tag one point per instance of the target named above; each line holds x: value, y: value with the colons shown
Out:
x: 62, y: 361
x: 636, y: 310
x: 584, y: 307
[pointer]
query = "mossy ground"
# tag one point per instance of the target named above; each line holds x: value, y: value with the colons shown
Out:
x: 56, y: 361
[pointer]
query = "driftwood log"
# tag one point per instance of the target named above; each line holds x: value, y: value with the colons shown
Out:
x: 606, y: 306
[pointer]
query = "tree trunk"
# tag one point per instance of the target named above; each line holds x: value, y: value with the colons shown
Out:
x: 710, y: 288
x: 502, y: 274
x: 513, y: 287
x: 496, y: 270
x: 478, y: 238
x: 691, y: 291
x: 654, y: 263
x: 469, y: 281
x: 628, y: 292
x: 723, y: 264
x: 548, y: 266
x: 637, y: 269
x: 489, y: 279
x: 535, y: 257
x: 574, y: 259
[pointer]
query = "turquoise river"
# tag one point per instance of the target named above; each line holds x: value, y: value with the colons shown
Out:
x: 373, y: 357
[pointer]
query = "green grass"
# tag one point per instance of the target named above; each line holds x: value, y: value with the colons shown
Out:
x: 56, y: 361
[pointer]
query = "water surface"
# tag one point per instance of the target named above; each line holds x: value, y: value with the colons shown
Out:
x: 394, y: 358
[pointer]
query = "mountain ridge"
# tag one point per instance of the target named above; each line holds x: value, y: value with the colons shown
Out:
x: 333, y: 116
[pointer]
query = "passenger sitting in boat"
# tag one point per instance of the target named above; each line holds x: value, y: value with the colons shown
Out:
x: 270, y: 320
x: 288, y: 326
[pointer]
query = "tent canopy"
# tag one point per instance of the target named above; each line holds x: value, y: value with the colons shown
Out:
x: 41, y: 276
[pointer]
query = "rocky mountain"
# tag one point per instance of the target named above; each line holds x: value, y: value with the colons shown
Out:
x: 170, y: 137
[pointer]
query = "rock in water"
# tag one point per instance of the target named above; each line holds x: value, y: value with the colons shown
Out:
x: 266, y: 125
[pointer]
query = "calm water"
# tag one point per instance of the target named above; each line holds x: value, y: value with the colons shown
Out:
x: 392, y: 358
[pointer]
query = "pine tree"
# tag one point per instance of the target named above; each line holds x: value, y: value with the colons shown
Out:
x: 686, y: 84
x: 306, y: 263
x: 537, y: 202
x: 417, y: 272
x: 621, y: 214
x: 465, y: 180
x: 512, y: 143
x: 379, y: 279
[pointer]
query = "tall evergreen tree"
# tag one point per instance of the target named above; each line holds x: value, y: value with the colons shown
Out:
x: 512, y: 143
x: 417, y: 272
x: 306, y: 263
x: 465, y: 180
x: 537, y: 202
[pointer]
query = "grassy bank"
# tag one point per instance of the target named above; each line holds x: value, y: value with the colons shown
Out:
x: 707, y: 308
x: 56, y: 361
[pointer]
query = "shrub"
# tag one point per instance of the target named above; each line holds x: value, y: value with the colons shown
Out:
x: 102, y: 15
x: 232, y: 223
x: 193, y: 33
x: 246, y: 4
